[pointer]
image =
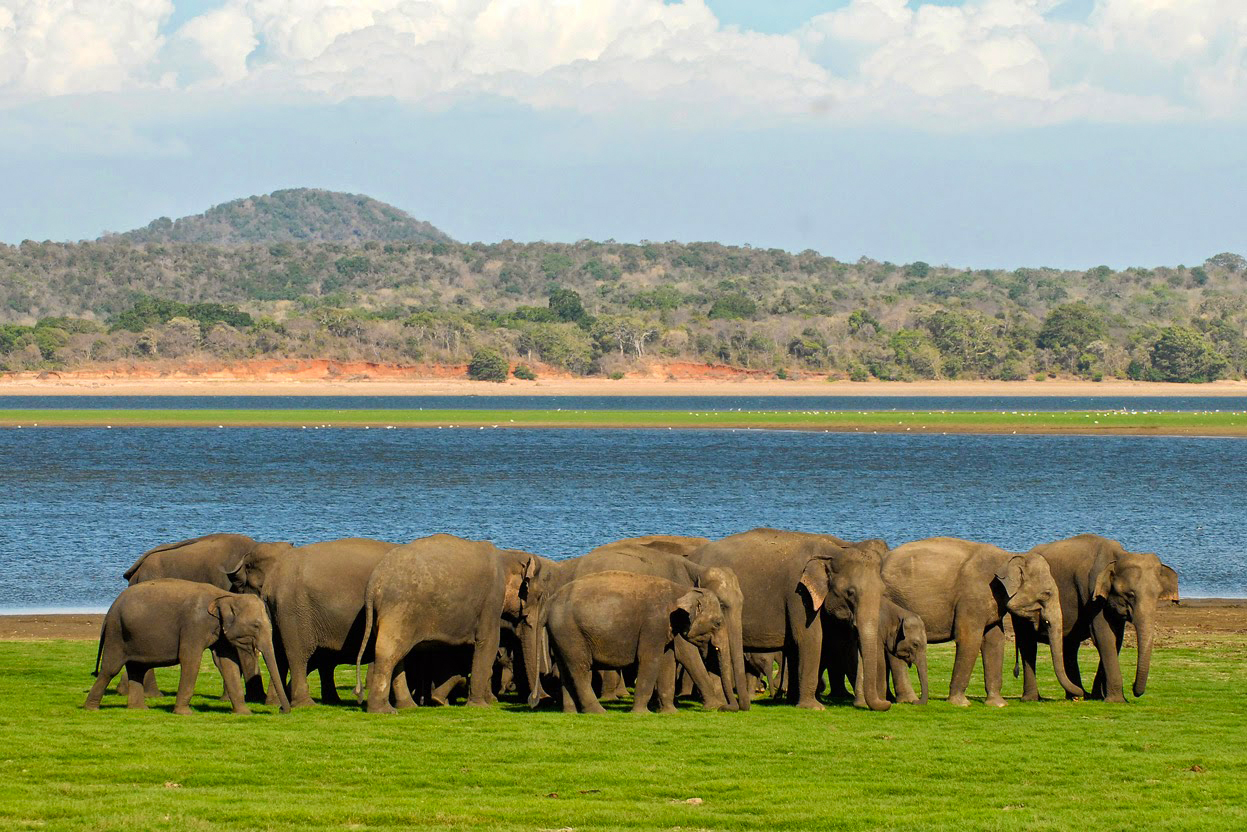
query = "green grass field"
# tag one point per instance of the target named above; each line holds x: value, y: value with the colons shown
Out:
x: 1175, y: 759
x: 1214, y: 423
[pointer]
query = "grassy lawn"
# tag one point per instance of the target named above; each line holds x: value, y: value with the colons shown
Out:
x: 1176, y: 759
x: 1210, y: 423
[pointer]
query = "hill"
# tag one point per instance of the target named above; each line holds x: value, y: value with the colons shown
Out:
x: 298, y: 214
x: 608, y: 308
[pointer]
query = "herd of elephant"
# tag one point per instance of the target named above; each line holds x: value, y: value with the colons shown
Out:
x: 675, y: 615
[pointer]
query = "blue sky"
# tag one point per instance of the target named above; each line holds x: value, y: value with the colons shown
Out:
x: 993, y: 133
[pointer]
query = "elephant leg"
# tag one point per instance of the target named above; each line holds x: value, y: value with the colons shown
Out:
x: 611, y: 685
x: 250, y: 668
x: 390, y: 648
x: 1028, y: 650
x: 993, y: 651
x: 969, y: 639
x: 110, y: 665
x: 484, y: 652
x: 123, y: 681
x: 216, y: 662
x: 1107, y: 637
x: 136, y: 695
x: 189, y: 660
x: 666, y: 683
x: 648, y: 668
x: 328, y: 685
x: 150, y: 688
x: 690, y: 658
x: 685, y: 681
x: 901, y: 683
x: 809, y: 654
x: 444, y: 693
x: 298, y: 656
x: 401, y: 689
x: 228, y: 660
x: 569, y: 692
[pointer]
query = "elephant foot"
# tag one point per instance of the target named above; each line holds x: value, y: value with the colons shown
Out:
x: 995, y: 701
x: 332, y: 699
x: 668, y: 709
x: 1030, y: 697
x: 594, y: 709
x: 1116, y: 698
x: 811, y: 705
x: 242, y: 710
x: 303, y: 702
x: 182, y: 710
x: 90, y: 706
x: 640, y: 709
x: 478, y: 703
x: 385, y: 708
x: 406, y: 704
x: 911, y: 699
x: 959, y: 700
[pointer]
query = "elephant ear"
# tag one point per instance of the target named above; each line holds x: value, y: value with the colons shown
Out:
x: 816, y: 581
x: 1103, y: 583
x: 223, y: 608
x: 685, y: 609
x: 1168, y: 584
x: 1010, y: 575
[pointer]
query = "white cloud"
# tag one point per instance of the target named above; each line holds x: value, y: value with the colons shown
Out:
x: 985, y: 62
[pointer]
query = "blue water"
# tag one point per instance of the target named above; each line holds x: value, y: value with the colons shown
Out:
x: 77, y: 505
x: 697, y: 403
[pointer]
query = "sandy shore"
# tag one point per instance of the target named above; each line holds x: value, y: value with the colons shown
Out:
x: 1187, y: 624
x: 67, y: 385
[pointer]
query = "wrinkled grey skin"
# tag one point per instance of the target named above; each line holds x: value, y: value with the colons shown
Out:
x: 789, y: 581
x: 962, y: 589
x: 315, y: 595
x: 548, y: 577
x: 442, y: 591
x: 167, y: 621
x: 200, y: 559
x: 614, y: 619
x: 1102, y: 588
x: 649, y: 560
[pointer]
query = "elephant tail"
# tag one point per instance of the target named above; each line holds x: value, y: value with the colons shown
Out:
x: 99, y: 651
x: 363, y: 645
x: 1017, y: 659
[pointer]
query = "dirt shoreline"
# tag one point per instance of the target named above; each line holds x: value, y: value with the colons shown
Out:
x: 377, y: 380
x: 1180, y: 625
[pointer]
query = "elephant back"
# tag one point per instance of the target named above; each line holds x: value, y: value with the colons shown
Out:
x: 199, y: 559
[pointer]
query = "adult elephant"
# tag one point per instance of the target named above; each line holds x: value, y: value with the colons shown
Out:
x: 674, y: 544
x: 548, y: 577
x: 440, y: 591
x: 1102, y: 586
x: 962, y: 589
x: 789, y: 580
x: 643, y: 559
x: 202, y: 560
x: 315, y: 594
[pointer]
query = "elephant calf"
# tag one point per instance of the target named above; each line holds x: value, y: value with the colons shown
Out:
x: 610, y: 620
x: 169, y: 622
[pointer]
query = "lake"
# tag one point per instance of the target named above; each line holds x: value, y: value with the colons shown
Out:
x: 78, y: 505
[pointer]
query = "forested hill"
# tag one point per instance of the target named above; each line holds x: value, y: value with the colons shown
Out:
x: 299, y: 214
x: 611, y: 307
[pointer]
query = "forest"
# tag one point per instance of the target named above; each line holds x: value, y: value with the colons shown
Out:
x: 609, y: 308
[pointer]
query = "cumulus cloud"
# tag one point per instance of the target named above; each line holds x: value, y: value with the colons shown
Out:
x: 1009, y: 62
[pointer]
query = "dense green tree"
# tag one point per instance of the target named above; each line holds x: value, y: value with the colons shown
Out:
x: 1072, y: 325
x: 567, y: 306
x: 733, y: 306
x: 1182, y: 354
x: 488, y: 365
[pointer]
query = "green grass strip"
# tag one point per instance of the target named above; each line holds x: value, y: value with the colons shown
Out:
x: 1210, y: 423
x: 1174, y: 760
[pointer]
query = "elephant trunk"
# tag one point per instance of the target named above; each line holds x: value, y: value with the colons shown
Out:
x: 1143, y: 631
x: 1056, y: 641
x: 530, y: 649
x: 920, y: 661
x: 736, y: 647
x: 727, y: 669
x: 270, y: 660
x: 871, y: 647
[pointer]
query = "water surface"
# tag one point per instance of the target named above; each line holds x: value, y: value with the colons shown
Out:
x: 77, y: 505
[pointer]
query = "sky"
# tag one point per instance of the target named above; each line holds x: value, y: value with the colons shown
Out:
x: 969, y: 133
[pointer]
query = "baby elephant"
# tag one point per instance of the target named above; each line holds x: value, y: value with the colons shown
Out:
x: 611, y: 620
x: 169, y: 621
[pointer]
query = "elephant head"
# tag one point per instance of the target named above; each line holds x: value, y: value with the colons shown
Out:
x: 1032, y: 594
x: 698, y: 616
x: 542, y: 578
x: 249, y: 573
x: 1130, y: 585
x: 844, y: 582
x: 520, y: 568
x: 910, y: 646
x: 244, y: 623
x: 726, y: 588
